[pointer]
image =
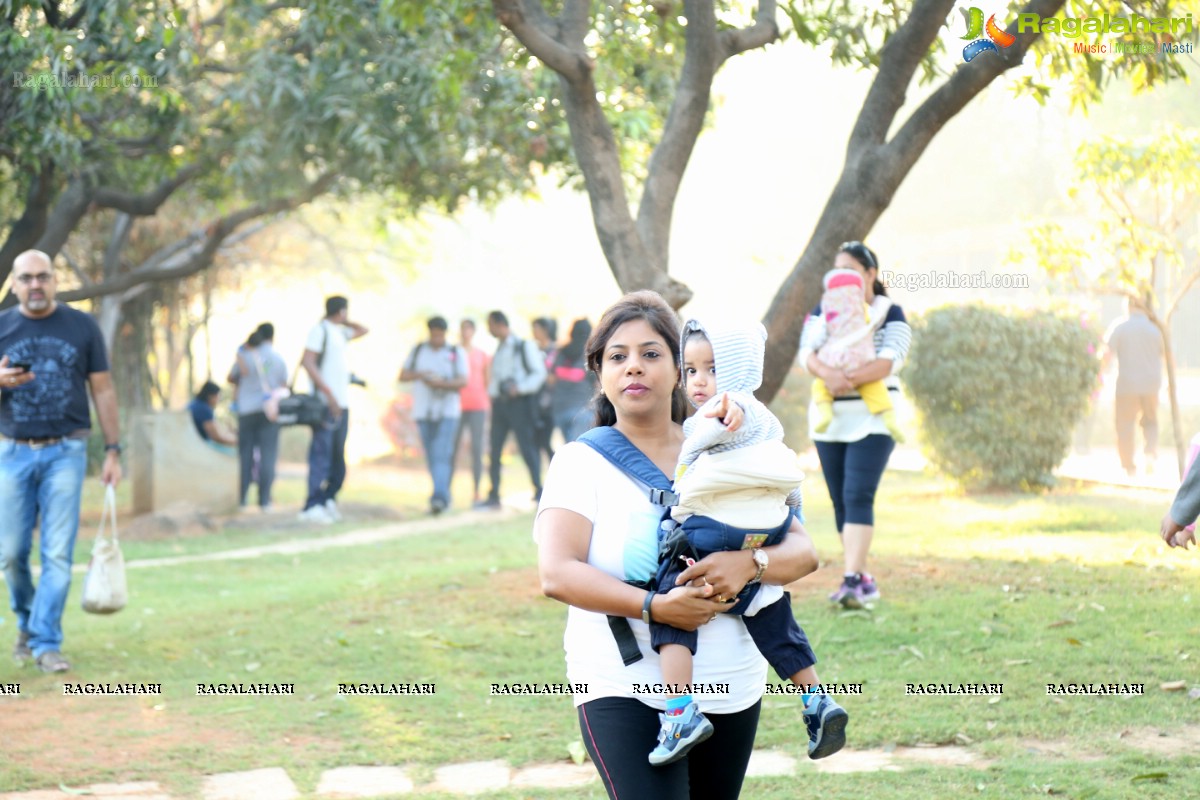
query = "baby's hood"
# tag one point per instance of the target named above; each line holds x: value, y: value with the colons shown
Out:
x: 738, y: 351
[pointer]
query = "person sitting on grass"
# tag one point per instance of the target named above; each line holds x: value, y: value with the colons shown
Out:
x: 739, y: 489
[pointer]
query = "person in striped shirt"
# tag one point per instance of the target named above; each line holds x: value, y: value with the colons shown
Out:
x: 855, y: 447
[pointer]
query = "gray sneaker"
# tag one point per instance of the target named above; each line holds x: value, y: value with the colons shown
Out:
x: 21, y: 651
x: 52, y: 661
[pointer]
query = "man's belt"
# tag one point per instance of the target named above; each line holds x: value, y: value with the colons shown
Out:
x: 39, y: 441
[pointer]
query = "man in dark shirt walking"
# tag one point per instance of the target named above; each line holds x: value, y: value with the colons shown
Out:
x: 51, y: 355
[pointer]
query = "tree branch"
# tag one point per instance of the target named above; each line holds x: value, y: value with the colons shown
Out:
x: 71, y: 207
x: 682, y: 128
x: 898, y: 61
x: 765, y: 30
x: 26, y: 231
x: 533, y: 29
x: 145, y: 205
x: 75, y: 268
x: 1183, y: 290
x: 196, y: 251
x: 952, y: 96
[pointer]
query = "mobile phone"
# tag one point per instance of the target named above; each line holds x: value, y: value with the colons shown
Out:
x: 22, y: 365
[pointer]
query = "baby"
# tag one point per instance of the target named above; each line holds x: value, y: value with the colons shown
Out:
x: 848, y: 345
x: 738, y: 488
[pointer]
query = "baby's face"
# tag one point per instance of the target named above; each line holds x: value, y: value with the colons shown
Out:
x: 699, y: 370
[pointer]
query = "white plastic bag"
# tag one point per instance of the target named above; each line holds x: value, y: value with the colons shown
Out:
x: 104, y: 590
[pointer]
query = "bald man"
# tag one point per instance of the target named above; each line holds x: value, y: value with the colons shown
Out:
x: 50, y: 355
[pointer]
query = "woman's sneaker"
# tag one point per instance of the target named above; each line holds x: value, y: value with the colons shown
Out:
x: 680, y: 733
x: 847, y: 594
x: 856, y: 591
x: 826, y: 724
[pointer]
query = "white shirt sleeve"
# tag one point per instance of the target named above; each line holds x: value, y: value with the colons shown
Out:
x: 569, y: 483
x: 316, y: 338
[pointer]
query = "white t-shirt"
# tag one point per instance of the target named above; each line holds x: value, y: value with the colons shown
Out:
x: 446, y: 362
x: 332, y: 339
x: 625, y: 545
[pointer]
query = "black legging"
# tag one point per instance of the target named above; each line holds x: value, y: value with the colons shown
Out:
x: 620, y: 732
x: 852, y: 472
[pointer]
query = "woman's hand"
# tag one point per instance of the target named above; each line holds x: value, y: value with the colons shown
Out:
x: 686, y: 607
x: 1174, y: 534
x: 725, y: 574
x: 837, y: 382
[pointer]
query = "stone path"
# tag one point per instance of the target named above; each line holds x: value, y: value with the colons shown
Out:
x: 486, y: 776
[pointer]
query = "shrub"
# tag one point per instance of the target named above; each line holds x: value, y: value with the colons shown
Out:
x: 999, y: 392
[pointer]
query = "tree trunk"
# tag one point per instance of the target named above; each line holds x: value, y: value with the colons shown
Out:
x: 855, y: 205
x: 1173, y: 393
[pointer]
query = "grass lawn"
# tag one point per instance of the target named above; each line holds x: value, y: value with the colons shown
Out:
x: 1068, y: 587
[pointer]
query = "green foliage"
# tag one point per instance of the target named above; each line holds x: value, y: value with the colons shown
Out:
x: 1138, y: 196
x: 854, y: 33
x: 422, y: 102
x: 998, y: 393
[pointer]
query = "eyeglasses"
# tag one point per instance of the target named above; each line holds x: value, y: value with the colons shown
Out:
x: 861, y: 252
x: 40, y: 277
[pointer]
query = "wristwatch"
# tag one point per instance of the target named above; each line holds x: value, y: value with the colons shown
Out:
x: 761, y: 560
x: 115, y: 447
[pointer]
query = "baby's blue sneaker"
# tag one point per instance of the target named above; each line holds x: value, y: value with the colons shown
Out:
x: 826, y: 723
x: 679, y: 734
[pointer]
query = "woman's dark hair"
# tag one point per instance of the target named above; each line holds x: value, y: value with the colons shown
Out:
x: 209, y: 389
x: 573, y: 350
x: 644, y: 305
x: 263, y: 333
x: 865, y: 256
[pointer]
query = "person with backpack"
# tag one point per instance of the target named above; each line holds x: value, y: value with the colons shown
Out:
x: 597, y: 535
x: 572, y: 385
x: 257, y: 372
x: 545, y: 331
x: 326, y: 364
x: 518, y: 372
x: 437, y: 370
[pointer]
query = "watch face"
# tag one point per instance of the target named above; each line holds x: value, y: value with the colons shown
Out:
x: 761, y: 558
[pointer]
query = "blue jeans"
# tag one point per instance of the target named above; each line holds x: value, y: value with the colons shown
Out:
x: 327, y: 459
x: 46, y: 482
x: 437, y: 437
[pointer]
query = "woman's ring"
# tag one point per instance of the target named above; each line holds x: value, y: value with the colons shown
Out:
x: 714, y: 616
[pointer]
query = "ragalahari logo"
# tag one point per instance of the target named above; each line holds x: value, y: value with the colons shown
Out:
x: 995, y: 34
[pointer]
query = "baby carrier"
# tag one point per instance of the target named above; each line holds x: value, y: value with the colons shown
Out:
x: 672, y: 544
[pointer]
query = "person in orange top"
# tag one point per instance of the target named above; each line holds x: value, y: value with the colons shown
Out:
x: 475, y: 403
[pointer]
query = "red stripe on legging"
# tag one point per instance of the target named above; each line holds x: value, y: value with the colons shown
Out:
x: 596, y: 747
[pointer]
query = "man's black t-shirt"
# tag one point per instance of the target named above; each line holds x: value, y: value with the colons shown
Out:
x: 63, y: 349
